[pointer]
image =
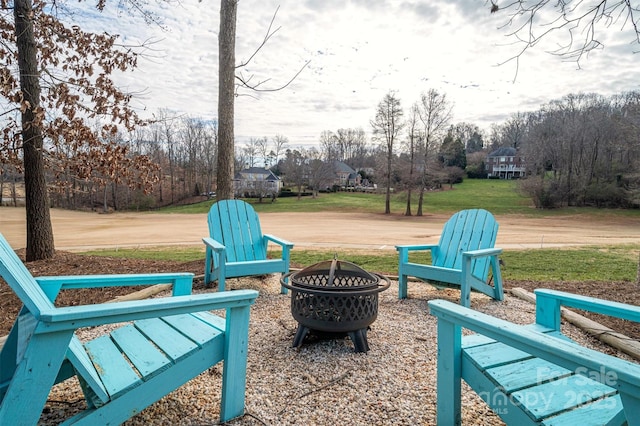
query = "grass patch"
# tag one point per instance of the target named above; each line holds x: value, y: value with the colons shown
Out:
x: 610, y: 263
x: 501, y: 197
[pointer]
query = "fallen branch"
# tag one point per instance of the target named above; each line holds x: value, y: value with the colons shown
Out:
x: 605, y: 334
x: 326, y: 385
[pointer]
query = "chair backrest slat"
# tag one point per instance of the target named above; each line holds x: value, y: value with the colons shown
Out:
x: 235, y: 224
x: 21, y: 281
x: 466, y: 230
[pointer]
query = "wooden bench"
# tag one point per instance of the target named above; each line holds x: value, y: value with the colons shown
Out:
x: 532, y: 374
x: 164, y: 343
x: 462, y: 258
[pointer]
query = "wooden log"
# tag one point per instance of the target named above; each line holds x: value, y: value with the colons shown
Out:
x: 605, y: 334
x: 142, y: 294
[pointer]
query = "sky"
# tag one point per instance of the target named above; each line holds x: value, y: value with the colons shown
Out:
x: 355, y: 53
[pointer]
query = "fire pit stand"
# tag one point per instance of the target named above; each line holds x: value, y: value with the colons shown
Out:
x: 334, y: 299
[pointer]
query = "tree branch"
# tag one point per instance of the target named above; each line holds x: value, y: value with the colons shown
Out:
x: 246, y: 82
x: 581, y: 22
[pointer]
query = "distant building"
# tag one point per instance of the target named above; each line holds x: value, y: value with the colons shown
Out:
x: 346, y: 176
x: 256, y: 182
x: 505, y: 163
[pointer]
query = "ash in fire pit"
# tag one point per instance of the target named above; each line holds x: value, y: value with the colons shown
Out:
x: 334, y: 298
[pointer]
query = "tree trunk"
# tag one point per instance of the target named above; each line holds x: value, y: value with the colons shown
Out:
x: 408, y: 211
x: 226, y: 92
x: 39, y: 230
x: 387, y: 198
x: 420, y: 201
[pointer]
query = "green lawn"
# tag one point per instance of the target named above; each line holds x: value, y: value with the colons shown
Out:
x: 611, y: 263
x: 499, y: 196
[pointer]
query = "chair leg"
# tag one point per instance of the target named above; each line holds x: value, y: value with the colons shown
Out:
x: 235, y: 363
x: 402, y: 286
x: 207, y: 267
x: 39, y: 368
x: 403, y: 258
x: 283, y: 289
x: 449, y: 379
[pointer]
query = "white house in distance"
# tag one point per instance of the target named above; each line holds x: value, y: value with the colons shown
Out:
x: 256, y: 182
x: 505, y: 163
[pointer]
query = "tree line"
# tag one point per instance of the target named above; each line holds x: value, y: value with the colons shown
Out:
x: 580, y: 150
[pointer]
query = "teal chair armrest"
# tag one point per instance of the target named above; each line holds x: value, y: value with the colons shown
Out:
x: 549, y: 303
x: 279, y: 241
x: 74, y: 317
x: 483, y: 252
x: 181, y: 282
x: 213, y: 244
x: 416, y: 247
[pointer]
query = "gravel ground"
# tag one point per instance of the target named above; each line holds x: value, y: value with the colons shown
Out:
x: 327, y: 383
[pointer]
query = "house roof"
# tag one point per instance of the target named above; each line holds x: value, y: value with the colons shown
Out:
x: 269, y: 176
x: 341, y: 167
x: 505, y: 151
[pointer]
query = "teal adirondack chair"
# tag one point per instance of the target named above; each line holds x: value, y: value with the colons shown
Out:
x: 462, y: 257
x: 236, y: 246
x: 533, y: 374
x: 165, y: 343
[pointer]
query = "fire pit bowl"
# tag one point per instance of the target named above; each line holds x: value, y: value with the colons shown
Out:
x: 334, y: 298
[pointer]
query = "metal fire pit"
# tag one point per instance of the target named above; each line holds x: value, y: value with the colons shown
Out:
x: 334, y: 298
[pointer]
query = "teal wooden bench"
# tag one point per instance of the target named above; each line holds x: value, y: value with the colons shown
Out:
x: 236, y: 246
x: 164, y: 343
x: 462, y: 258
x: 532, y: 374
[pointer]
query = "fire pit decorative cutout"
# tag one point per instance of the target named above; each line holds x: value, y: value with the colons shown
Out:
x: 334, y: 298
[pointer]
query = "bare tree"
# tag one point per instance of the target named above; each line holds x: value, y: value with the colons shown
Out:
x: 514, y: 130
x: 280, y: 143
x: 580, y: 22
x: 210, y: 155
x: 227, y: 89
x: 471, y: 135
x: 414, y: 137
x: 582, y: 150
x: 293, y: 168
x: 387, y: 125
x: 252, y: 149
x: 320, y: 173
x: 262, y: 148
x: 329, y: 146
x: 434, y: 111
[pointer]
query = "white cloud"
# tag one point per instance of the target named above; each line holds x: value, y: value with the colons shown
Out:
x: 358, y: 51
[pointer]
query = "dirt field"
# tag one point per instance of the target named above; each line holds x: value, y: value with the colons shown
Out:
x: 76, y: 231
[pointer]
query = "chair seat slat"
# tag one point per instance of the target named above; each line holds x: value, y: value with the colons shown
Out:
x: 116, y: 373
x: 173, y: 343
x: 142, y: 353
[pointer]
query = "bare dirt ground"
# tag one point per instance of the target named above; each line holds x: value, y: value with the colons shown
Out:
x: 76, y: 231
